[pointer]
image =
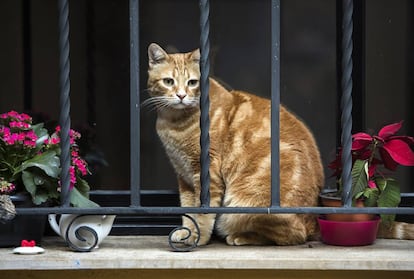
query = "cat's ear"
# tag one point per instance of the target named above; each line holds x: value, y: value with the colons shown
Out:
x: 156, y: 54
x: 195, y: 55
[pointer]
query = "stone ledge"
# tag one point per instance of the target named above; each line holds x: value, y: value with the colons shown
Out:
x: 153, y: 252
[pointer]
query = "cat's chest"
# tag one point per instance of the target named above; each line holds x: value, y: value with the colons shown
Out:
x: 181, y: 152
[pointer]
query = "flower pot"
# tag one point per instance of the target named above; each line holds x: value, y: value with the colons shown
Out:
x: 332, y: 200
x: 82, y: 233
x: 346, y: 233
x: 29, y: 227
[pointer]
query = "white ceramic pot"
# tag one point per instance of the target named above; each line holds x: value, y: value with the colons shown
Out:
x: 82, y: 232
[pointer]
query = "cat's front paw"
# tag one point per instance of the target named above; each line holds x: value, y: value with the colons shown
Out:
x: 186, y: 236
x: 231, y: 240
x: 239, y: 239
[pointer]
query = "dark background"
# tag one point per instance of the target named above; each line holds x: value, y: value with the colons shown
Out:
x: 240, y: 43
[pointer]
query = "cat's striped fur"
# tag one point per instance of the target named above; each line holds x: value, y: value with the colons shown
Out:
x: 240, y: 155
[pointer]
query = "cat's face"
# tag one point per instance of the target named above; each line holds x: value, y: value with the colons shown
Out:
x: 173, y: 79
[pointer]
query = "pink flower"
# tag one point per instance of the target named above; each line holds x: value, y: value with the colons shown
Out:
x: 21, y: 137
x: 53, y: 140
x: 10, y: 141
x: 72, y: 177
x: 24, y: 117
x: 73, y: 135
x: 80, y: 165
x: 18, y: 124
x: 29, y: 144
x: 12, y: 138
x: 31, y: 135
x: 6, y: 187
x: 19, y: 142
x: 13, y: 115
x: 5, y: 131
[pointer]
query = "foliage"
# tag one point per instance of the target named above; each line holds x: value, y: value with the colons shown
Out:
x: 29, y: 161
x: 374, y: 157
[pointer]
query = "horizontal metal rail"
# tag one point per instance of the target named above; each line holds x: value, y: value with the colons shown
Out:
x: 149, y: 210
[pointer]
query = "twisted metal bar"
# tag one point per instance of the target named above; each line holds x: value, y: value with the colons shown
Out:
x: 204, y: 103
x: 346, y: 101
x: 183, y: 247
x: 64, y: 118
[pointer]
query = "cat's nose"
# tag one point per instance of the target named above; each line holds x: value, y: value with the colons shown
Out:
x: 181, y: 95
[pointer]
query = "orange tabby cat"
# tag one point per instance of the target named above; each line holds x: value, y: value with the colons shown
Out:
x: 240, y: 155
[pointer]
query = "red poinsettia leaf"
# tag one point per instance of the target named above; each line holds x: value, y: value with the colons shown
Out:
x: 387, y: 160
x: 365, y: 155
x: 362, y: 136
x: 407, y: 139
x: 371, y: 169
x: 372, y: 184
x: 399, y: 151
x: 390, y: 130
x: 360, y: 141
x: 334, y: 164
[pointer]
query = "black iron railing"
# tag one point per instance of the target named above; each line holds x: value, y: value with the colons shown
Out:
x: 135, y: 207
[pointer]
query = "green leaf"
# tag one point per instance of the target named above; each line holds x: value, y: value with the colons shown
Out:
x: 389, y: 197
x: 39, y: 187
x: 359, y: 177
x: 40, y: 198
x: 82, y: 186
x: 371, y: 197
x: 29, y: 184
x: 41, y: 133
x: 47, y: 161
x: 359, y: 195
x: 78, y: 200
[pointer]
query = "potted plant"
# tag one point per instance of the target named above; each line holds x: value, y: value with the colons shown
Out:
x: 374, y: 159
x: 30, y: 168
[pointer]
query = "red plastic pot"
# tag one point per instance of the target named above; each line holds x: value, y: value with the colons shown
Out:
x: 346, y: 233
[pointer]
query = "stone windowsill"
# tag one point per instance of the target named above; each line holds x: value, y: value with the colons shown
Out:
x: 153, y: 252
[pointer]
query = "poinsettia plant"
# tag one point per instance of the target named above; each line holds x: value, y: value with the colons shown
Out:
x: 29, y: 161
x: 374, y: 158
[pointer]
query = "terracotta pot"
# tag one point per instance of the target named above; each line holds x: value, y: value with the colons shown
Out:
x: 332, y: 200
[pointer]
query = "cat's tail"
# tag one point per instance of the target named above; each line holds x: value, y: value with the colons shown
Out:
x: 398, y: 230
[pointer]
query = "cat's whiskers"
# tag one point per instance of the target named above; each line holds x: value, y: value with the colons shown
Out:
x: 162, y: 102
x: 158, y: 102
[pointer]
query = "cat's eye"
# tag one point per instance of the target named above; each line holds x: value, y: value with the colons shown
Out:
x: 168, y: 81
x: 192, y: 82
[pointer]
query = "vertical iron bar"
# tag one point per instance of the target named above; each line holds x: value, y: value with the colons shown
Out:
x: 64, y: 118
x: 275, y: 103
x: 134, y: 103
x: 204, y: 103
x: 346, y: 101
